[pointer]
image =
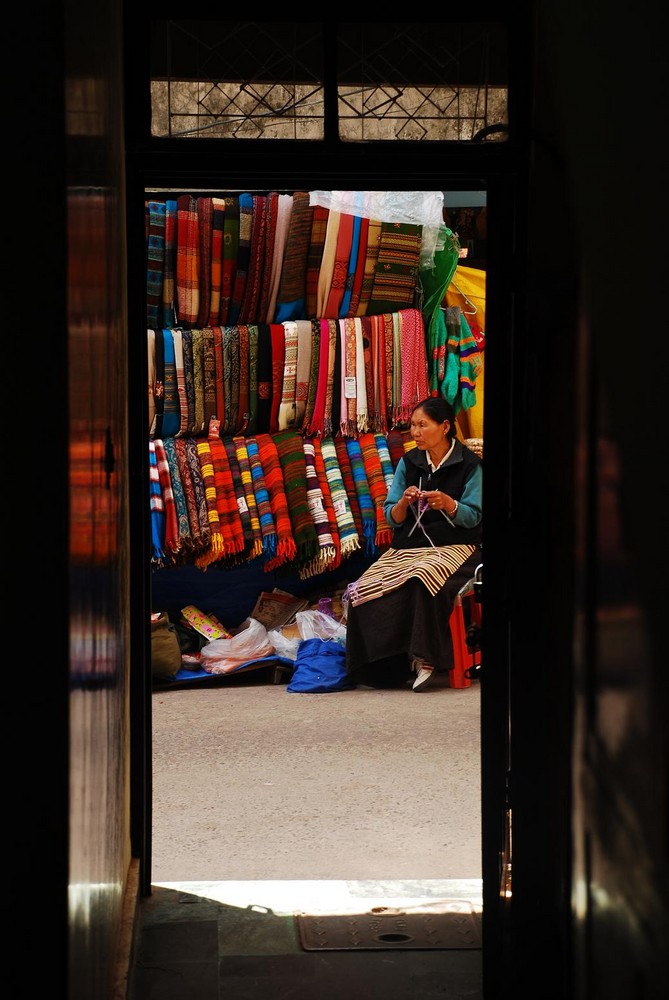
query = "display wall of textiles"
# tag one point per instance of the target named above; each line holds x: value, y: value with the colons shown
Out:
x: 294, y: 503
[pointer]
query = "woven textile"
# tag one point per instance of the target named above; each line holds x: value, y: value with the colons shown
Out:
x: 369, y: 270
x: 291, y: 295
x: 361, y: 411
x: 171, y: 411
x: 349, y: 539
x: 432, y: 566
x: 435, y: 281
x: 395, y: 446
x: 181, y: 381
x: 396, y: 275
x: 340, y: 268
x: 172, y: 543
x: 316, y: 424
x: 312, y: 386
x: 293, y: 467
x: 219, y: 374
x: 198, y: 379
x: 230, y: 246
x: 349, y: 484
x: 267, y: 525
x: 230, y: 378
x: 232, y: 529
x: 188, y: 261
x: 269, y: 459
x: 327, y: 263
x: 189, y: 380
x: 151, y: 372
x: 243, y: 403
x: 155, y: 263
x: 253, y: 379
x: 331, y: 385
x: 385, y: 459
x: 159, y: 383
x: 204, y: 223
x: 243, y: 257
x: 264, y: 378
x: 303, y: 369
x: 157, y: 510
x: 345, y: 307
x: 284, y: 212
x: 367, y: 511
x: 324, y: 558
x: 287, y: 408
x: 319, y: 463
x: 217, y: 224
x: 278, y: 339
x: 414, y: 362
x: 202, y: 538
x: 183, y: 523
x: 216, y: 546
x: 247, y: 528
x: 193, y: 541
x: 168, y: 315
x: 271, y: 213
x: 249, y: 494
x: 319, y: 224
x: 354, y: 305
x: 348, y: 348
x: 248, y: 311
x: 377, y: 488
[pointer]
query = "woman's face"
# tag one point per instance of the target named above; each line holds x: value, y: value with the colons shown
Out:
x: 425, y: 431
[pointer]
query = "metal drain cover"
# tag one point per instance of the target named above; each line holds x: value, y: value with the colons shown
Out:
x: 456, y: 925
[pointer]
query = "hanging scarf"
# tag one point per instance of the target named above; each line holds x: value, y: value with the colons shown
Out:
x: 284, y: 213
x: 331, y: 379
x: 171, y: 411
x: 325, y: 556
x: 198, y: 380
x: 371, y: 257
x: 248, y: 311
x: 377, y: 488
x: 264, y: 378
x: 247, y: 528
x: 253, y: 380
x: 217, y: 224
x: 293, y: 467
x: 193, y: 542
x: 243, y: 404
x: 349, y: 538
x: 302, y: 369
x: 232, y: 529
x: 271, y: 212
x: 188, y: 261
x: 349, y: 483
x: 287, y: 408
x: 360, y: 380
x: 267, y: 525
x: 319, y: 463
x: 188, y: 408
x: 183, y: 523
x: 204, y: 222
x: 230, y: 247
x: 159, y: 384
x: 434, y: 283
x: 216, y: 336
x: 155, y: 262
x: 243, y: 257
x: 348, y: 340
x: 335, y: 295
x: 247, y: 485
x: 378, y: 355
x: 291, y: 296
x: 168, y: 312
x: 319, y: 225
x: 396, y: 275
x: 385, y: 459
x: 216, y: 548
x: 414, y: 363
x: 354, y: 305
x: 312, y: 387
x: 345, y: 307
x: 397, y: 369
x: 151, y: 371
x: 366, y: 330
x: 157, y: 510
x: 395, y: 447
x: 318, y: 415
x: 277, y: 335
x: 210, y: 368
x: 269, y: 459
x: 172, y: 541
x: 367, y: 511
x: 181, y: 382
x: 327, y: 263
x: 203, y: 537
x: 230, y: 378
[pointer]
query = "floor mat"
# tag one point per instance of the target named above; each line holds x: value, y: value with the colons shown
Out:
x: 450, y: 924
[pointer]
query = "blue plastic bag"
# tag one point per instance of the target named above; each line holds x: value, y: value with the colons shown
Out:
x: 320, y: 666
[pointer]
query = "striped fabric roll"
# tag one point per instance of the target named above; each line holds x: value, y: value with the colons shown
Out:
x: 348, y: 533
x: 432, y: 566
x: 247, y: 528
x: 385, y: 459
x: 249, y: 494
x: 319, y: 462
x: 326, y: 554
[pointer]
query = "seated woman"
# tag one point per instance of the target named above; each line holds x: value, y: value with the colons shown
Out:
x: 402, y: 603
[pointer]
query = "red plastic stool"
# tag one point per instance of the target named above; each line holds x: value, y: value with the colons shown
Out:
x: 463, y: 657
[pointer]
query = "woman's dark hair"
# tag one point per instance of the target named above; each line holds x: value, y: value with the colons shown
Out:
x: 438, y: 409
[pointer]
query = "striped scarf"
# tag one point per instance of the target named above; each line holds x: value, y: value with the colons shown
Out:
x: 286, y: 549
x: 217, y: 547
x: 396, y: 274
x: 243, y: 257
x: 171, y: 411
x: 293, y: 467
x: 354, y: 307
x: 188, y: 261
x: 247, y: 527
x: 232, y: 529
x: 369, y: 270
x: 172, y: 541
x: 267, y: 525
x: 277, y: 334
x: 157, y: 510
x: 204, y: 222
x: 284, y: 212
x: 377, y: 488
x: 287, y: 408
x: 248, y: 309
x: 347, y: 413
x: 316, y: 424
x: 384, y: 458
x: 312, y: 389
x: 271, y: 211
x: 211, y: 365
x: 319, y: 224
x: 243, y: 383
x: 217, y: 224
x: 155, y: 263
x: 253, y: 380
x: 319, y: 462
x: 168, y: 314
x: 349, y: 483
x: 203, y: 532
x: 230, y: 246
x: 327, y: 264
x: 367, y: 511
x: 395, y: 446
x: 230, y: 378
x: 198, y: 380
x: 181, y: 382
x: 414, y: 361
x: 340, y: 269
x: 432, y: 566
x: 291, y: 296
x: 349, y: 538
x: 303, y: 369
x: 345, y: 307
x: 189, y: 380
x: 326, y: 554
x: 159, y: 382
x: 249, y: 494
x: 183, y: 524
x: 151, y: 371
x: 264, y: 378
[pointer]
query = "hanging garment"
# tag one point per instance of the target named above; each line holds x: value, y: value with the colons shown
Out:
x: 248, y: 311
x: 291, y: 295
x: 293, y: 467
x: 230, y: 248
x: 284, y: 212
x: 349, y: 539
x: 243, y: 257
x: 155, y: 254
x: 286, y: 549
x: 204, y: 224
x: 361, y: 484
x: 168, y: 312
x: 216, y: 547
x: 328, y: 503
x: 267, y: 523
x: 188, y: 261
x: 217, y: 225
x: 325, y: 556
x: 369, y: 270
x: 377, y: 488
x: 396, y: 274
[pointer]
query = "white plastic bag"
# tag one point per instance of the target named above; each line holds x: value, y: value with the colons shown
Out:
x: 283, y: 645
x: 315, y: 625
x: 221, y: 656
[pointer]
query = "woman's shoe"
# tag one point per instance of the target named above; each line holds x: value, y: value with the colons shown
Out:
x: 423, y: 677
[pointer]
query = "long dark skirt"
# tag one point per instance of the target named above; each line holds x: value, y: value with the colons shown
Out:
x: 383, y: 635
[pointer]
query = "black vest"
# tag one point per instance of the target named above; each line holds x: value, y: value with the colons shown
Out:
x: 450, y: 478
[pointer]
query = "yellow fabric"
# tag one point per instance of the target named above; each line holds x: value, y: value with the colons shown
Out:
x: 467, y: 290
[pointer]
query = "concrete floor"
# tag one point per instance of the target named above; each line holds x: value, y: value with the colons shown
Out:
x: 269, y: 803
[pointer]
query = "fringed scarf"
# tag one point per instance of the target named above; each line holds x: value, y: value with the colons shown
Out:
x: 271, y: 212
x: 286, y: 549
x: 216, y: 548
x: 157, y: 510
x: 183, y: 523
x: 267, y: 525
x: 155, y: 263
x: 277, y: 335
x: 193, y: 543
x: 248, y: 311
x: 204, y: 221
x: 319, y: 462
x: 189, y: 381
x: 232, y: 528
x: 217, y: 224
x: 203, y: 537
x: 340, y: 269
x: 247, y: 527
x: 210, y: 369
x: 331, y: 385
x: 349, y: 484
x: 168, y: 313
x: 230, y: 378
x: 316, y: 424
x: 284, y: 212
x: 264, y: 378
x: 396, y: 274
x: 247, y: 484
x: 243, y: 383
x: 397, y: 370
x: 172, y: 540
x: 312, y: 387
x: 230, y: 247
x: 378, y: 356
x: 198, y: 380
x: 303, y: 369
x: 347, y: 412
x: 414, y: 362
x: 181, y: 382
x: 171, y: 410
x: 287, y: 408
x: 243, y: 257
x: 293, y: 467
x: 319, y: 225
x: 325, y: 557
x: 385, y: 459
x: 291, y: 296
x: 188, y: 261
x: 377, y: 488
x: 219, y: 378
x: 361, y: 410
x: 349, y: 539
x: 159, y: 383
x: 371, y: 257
x: 432, y: 566
x: 327, y: 264
x: 367, y: 510
x: 253, y: 380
